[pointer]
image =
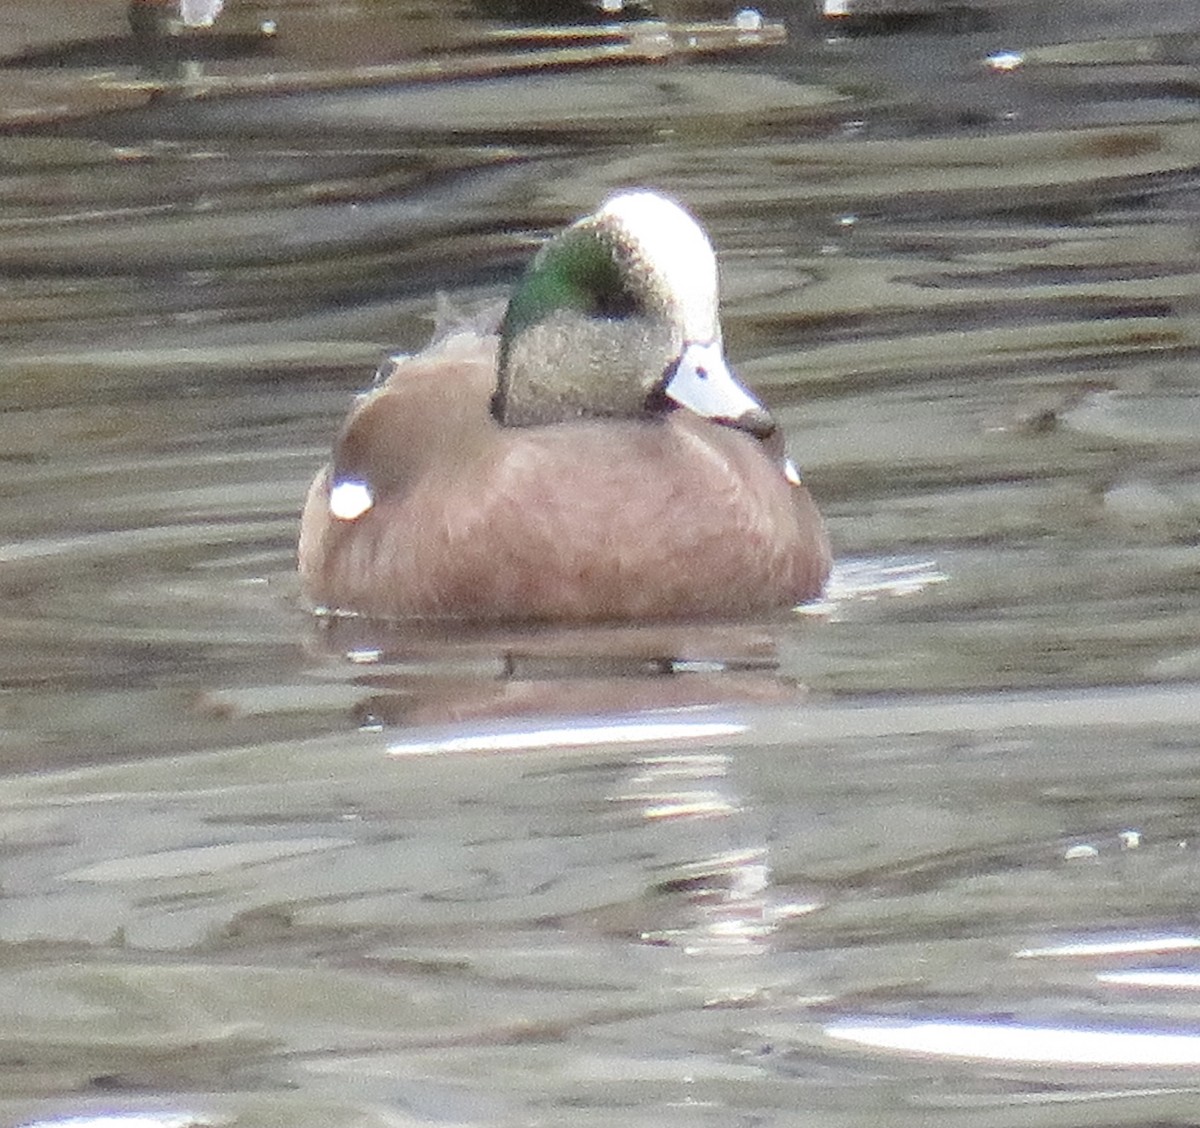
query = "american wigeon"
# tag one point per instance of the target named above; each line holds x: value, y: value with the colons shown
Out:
x: 596, y: 459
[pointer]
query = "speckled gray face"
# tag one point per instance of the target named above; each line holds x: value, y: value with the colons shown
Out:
x: 673, y: 262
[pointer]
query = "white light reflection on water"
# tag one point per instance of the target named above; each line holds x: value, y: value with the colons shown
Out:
x: 127, y: 1120
x: 582, y: 732
x: 733, y: 908
x: 1005, y: 62
x: 1159, y: 978
x: 674, y: 786
x: 1018, y: 1042
x: 874, y: 579
x: 1135, y: 945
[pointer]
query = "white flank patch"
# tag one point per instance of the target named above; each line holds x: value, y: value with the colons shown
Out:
x: 350, y: 498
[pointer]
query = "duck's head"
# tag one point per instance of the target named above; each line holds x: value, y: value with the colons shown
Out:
x: 617, y: 316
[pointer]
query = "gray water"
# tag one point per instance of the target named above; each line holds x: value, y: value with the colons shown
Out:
x: 922, y: 853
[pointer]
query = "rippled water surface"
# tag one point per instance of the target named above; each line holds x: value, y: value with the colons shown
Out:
x: 923, y: 853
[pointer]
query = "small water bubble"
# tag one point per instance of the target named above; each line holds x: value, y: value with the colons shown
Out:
x: 1082, y: 851
x: 853, y: 127
x: 1130, y: 839
x: 1004, y: 62
x: 364, y: 656
x: 748, y: 19
x: 847, y: 221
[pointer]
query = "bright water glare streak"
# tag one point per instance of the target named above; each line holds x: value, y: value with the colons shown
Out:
x: 1022, y: 1042
x: 580, y: 733
x: 854, y: 580
x: 1135, y: 946
x: 674, y: 786
x: 1004, y: 62
x: 128, y: 1120
x: 1161, y: 978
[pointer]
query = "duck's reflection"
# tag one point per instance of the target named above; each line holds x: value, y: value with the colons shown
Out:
x: 442, y: 674
x: 662, y: 702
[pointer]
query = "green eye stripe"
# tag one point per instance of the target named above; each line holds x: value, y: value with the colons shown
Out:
x: 577, y: 271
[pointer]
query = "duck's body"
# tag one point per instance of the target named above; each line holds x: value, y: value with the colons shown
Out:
x: 455, y: 493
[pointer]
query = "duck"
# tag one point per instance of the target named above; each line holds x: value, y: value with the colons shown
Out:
x: 592, y: 459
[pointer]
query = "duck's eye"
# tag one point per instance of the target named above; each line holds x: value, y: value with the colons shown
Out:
x: 350, y: 498
x: 701, y: 372
x: 615, y: 305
